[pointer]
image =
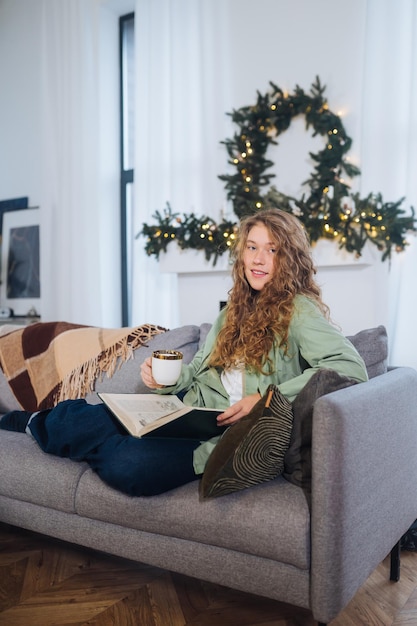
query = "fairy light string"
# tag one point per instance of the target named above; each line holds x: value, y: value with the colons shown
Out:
x: 328, y: 209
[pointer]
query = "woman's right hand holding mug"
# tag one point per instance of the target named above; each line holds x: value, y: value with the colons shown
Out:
x: 146, y: 373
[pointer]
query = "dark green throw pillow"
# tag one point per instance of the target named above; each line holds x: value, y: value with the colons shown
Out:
x: 252, y: 450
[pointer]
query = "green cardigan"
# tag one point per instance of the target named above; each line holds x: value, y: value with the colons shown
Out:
x: 313, y: 344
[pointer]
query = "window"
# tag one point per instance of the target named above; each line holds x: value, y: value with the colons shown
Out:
x: 127, y: 98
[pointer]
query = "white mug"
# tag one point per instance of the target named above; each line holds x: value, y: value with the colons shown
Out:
x: 166, y: 366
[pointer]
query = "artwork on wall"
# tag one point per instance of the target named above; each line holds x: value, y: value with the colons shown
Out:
x: 20, y: 261
x: 14, y: 204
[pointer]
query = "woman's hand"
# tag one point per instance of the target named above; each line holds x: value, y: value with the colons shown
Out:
x: 238, y: 410
x: 146, y: 373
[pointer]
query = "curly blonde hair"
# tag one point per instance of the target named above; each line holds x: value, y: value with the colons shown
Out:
x: 257, y: 319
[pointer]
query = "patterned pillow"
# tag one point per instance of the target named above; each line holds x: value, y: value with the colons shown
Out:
x: 252, y: 450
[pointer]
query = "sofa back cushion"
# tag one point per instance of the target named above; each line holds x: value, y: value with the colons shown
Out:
x: 127, y: 379
x: 372, y: 345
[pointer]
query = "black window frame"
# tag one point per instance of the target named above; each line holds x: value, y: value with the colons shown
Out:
x: 126, y: 179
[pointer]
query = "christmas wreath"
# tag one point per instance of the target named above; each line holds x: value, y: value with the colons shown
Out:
x: 328, y: 210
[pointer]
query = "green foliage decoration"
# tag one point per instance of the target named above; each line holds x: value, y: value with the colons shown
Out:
x: 328, y: 209
x: 189, y: 231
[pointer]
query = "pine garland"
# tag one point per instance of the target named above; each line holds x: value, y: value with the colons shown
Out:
x: 328, y: 210
x: 189, y: 231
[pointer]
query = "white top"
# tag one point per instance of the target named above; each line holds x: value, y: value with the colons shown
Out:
x: 232, y: 380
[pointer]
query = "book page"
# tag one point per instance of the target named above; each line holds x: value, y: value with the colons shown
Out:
x: 138, y: 411
x: 149, y: 410
x: 142, y: 414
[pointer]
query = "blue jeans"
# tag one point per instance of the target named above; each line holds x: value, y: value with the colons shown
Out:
x: 138, y: 467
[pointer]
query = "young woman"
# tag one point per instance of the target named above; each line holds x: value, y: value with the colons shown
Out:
x: 274, y: 329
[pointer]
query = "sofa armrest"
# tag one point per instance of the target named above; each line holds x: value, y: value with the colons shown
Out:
x: 364, y: 483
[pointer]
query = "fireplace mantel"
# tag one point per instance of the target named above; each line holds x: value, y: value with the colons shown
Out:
x: 345, y: 280
x: 325, y: 254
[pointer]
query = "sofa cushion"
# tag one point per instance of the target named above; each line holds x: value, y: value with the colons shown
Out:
x: 372, y: 345
x: 204, y: 330
x: 245, y: 521
x: 30, y: 475
x: 252, y: 450
x: 8, y: 401
x: 127, y: 378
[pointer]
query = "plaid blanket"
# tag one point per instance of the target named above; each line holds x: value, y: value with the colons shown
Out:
x: 47, y: 362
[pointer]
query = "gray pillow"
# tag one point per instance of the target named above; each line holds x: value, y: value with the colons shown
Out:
x: 8, y: 401
x: 127, y: 379
x: 372, y: 345
x: 204, y: 330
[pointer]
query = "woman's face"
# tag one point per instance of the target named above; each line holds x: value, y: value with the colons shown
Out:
x: 259, y: 257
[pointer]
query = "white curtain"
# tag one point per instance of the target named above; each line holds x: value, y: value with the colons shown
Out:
x: 182, y: 94
x: 79, y: 222
x: 389, y: 151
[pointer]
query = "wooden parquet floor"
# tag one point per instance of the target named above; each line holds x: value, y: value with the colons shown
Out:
x: 44, y: 582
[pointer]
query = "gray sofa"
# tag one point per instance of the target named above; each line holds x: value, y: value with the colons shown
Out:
x: 270, y: 539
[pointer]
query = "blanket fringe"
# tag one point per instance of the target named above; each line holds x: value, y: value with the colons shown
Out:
x: 81, y: 381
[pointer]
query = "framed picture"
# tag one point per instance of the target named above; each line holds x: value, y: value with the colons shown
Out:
x: 15, y: 204
x: 20, y: 262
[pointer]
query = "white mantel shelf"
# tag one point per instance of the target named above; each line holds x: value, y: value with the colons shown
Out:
x: 177, y: 261
x: 347, y: 282
x: 325, y: 254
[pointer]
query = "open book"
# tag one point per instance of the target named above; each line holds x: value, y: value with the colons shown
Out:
x: 147, y: 414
